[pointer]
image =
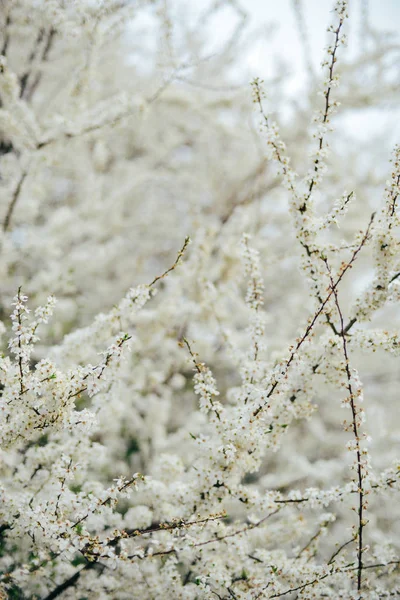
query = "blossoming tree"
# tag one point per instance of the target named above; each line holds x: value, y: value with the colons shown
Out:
x: 227, y: 427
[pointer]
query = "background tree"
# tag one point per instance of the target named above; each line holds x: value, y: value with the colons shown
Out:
x: 121, y: 133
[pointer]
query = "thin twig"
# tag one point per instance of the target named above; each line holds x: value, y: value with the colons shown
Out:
x: 355, y: 426
x: 345, y: 267
x: 14, y: 200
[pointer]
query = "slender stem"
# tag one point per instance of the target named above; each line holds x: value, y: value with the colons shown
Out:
x: 356, y: 433
x: 344, y: 269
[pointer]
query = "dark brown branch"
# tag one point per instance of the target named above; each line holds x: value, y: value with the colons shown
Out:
x: 25, y: 77
x: 179, y: 524
x: 4, y: 528
x: 311, y: 540
x: 177, y: 261
x: 355, y: 426
x: 6, y: 39
x: 345, y: 267
x: 66, y: 584
x: 200, y: 368
x: 71, y: 581
x: 239, y: 531
x: 123, y: 487
x: 14, y: 200
x: 46, y: 50
x: 301, y: 587
x: 338, y: 550
x: 327, y: 104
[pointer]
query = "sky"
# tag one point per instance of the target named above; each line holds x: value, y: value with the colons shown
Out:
x: 282, y: 44
x: 383, y: 15
x: 277, y: 41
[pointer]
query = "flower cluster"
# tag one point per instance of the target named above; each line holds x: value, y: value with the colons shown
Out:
x: 228, y: 427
